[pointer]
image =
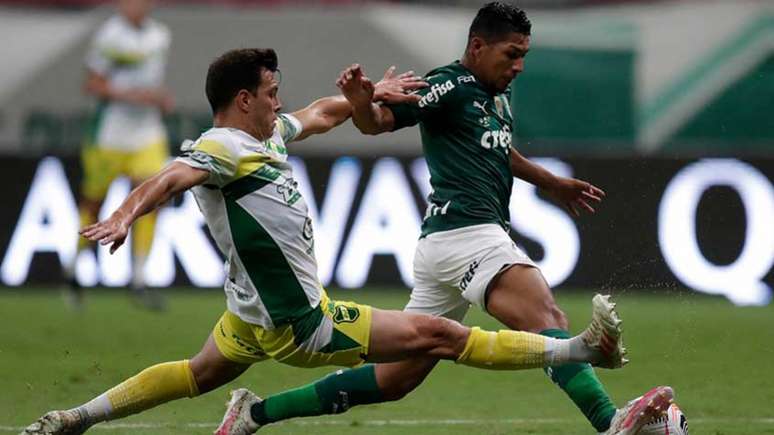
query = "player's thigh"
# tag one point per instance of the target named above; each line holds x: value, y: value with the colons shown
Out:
x: 520, y: 298
x: 147, y: 161
x: 235, y: 340
x: 400, y: 335
x: 229, y: 350
x: 100, y: 167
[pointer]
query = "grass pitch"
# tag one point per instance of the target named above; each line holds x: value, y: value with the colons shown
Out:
x: 715, y: 355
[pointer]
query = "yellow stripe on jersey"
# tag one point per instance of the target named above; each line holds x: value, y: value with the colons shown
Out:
x: 250, y: 164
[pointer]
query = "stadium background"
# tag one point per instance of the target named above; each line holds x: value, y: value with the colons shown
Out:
x: 666, y: 105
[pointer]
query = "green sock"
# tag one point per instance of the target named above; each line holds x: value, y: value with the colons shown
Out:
x: 584, y: 388
x: 333, y: 394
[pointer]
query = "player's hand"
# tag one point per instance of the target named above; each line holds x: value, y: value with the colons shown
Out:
x: 394, y: 89
x: 576, y: 195
x: 355, y: 86
x: 112, y: 231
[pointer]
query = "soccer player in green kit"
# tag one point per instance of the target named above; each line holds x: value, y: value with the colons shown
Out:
x: 465, y: 255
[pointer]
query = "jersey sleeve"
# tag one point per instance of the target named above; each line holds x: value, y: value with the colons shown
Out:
x: 442, y: 91
x: 289, y: 127
x: 213, y: 156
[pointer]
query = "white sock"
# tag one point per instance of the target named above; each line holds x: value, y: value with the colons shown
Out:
x: 573, y: 350
x: 96, y: 410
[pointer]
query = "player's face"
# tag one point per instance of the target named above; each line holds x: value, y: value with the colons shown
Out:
x: 503, y: 60
x: 266, y: 104
x: 135, y: 10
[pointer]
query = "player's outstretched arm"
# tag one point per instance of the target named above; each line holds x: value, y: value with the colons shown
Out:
x: 368, y: 115
x: 575, y: 195
x: 175, y: 178
x: 329, y: 112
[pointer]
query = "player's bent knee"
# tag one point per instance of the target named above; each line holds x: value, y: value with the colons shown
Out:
x: 440, y: 337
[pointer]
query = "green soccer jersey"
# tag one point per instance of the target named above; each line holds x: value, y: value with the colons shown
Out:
x: 466, y: 138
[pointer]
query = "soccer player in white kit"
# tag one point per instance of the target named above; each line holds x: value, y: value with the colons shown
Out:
x: 126, y: 136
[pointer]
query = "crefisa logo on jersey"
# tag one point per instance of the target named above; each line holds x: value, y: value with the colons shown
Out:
x: 436, y: 92
x: 494, y: 139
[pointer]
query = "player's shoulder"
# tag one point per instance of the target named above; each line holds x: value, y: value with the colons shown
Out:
x: 453, y: 74
x: 222, y: 138
x: 159, y: 30
x: 111, y: 29
x: 447, y: 85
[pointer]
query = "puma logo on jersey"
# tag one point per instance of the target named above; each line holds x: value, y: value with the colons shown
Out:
x: 481, y: 106
x: 497, y: 139
x: 437, y: 91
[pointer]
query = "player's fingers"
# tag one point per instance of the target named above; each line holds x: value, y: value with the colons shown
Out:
x: 406, y: 75
x: 586, y: 206
x: 573, y: 211
x: 591, y: 196
x: 596, y: 190
x: 388, y: 74
x: 414, y: 85
x: 90, y: 228
x: 95, y: 233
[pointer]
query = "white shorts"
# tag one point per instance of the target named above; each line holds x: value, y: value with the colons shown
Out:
x: 453, y: 269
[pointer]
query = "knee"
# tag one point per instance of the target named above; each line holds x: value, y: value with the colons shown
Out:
x: 440, y: 337
x: 210, y: 374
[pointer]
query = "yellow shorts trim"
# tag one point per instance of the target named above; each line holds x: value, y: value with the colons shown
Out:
x: 103, y: 165
x: 335, y: 333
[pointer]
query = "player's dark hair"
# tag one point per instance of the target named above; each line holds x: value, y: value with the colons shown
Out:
x: 496, y: 20
x: 236, y: 70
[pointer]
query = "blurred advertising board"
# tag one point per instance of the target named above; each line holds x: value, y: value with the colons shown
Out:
x: 705, y: 224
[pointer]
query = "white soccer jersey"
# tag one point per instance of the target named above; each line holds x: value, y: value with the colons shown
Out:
x: 259, y: 221
x: 130, y: 58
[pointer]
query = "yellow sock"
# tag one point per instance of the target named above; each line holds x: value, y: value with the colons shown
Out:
x: 503, y: 350
x: 149, y: 388
x: 142, y: 235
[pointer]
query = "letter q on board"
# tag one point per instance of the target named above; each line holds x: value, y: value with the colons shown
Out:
x: 742, y: 280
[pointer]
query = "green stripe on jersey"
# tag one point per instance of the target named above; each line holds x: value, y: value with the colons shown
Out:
x: 339, y: 341
x: 267, y: 267
x: 306, y: 326
x: 250, y: 182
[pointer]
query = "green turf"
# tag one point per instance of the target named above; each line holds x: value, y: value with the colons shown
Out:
x: 715, y: 355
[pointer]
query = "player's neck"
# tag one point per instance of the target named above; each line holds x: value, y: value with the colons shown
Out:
x: 471, y: 66
x: 137, y: 23
x: 225, y: 120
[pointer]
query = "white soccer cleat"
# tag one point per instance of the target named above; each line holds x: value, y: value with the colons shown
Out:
x: 604, y: 334
x: 638, y: 413
x: 56, y: 423
x: 673, y: 422
x: 238, y: 420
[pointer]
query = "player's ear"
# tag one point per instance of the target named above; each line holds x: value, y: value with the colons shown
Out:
x: 475, y: 45
x: 243, y: 100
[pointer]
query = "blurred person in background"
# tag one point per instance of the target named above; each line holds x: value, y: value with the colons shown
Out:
x: 125, y: 74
